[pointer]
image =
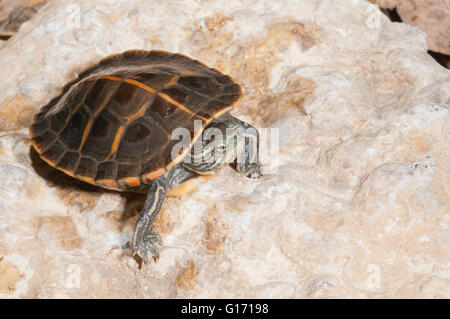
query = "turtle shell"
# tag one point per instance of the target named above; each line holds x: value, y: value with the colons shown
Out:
x: 112, y: 125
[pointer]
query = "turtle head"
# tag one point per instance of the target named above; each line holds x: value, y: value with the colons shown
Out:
x: 226, y: 140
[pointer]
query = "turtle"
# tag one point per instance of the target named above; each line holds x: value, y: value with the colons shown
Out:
x: 115, y: 126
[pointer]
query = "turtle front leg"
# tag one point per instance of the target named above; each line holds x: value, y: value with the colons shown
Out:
x: 146, y: 239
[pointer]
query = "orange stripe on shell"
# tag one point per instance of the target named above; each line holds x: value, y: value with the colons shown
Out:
x: 107, y: 183
x: 140, y: 85
x: 151, y: 90
x: 138, y: 113
x: 86, y: 179
x: 153, y: 175
x: 96, y: 113
x: 130, y: 181
x: 107, y: 77
x: 85, y: 133
x: 172, y: 81
x: 116, y: 142
x: 180, y: 106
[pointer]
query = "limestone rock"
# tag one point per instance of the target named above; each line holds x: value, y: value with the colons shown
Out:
x: 432, y: 16
x: 355, y: 203
x: 14, y: 12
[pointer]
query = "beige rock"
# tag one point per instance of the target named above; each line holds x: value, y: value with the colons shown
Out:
x: 432, y: 16
x: 14, y: 12
x: 354, y: 204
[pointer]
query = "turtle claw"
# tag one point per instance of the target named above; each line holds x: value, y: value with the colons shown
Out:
x: 148, y: 246
x: 254, y: 171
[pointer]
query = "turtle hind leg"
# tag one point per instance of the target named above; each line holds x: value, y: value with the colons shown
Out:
x: 146, y: 239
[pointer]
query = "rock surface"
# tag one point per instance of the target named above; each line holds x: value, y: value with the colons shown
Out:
x: 355, y: 203
x: 14, y: 12
x: 432, y: 16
